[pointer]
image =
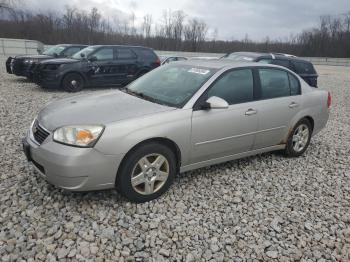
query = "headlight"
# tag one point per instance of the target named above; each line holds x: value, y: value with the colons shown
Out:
x: 82, y: 135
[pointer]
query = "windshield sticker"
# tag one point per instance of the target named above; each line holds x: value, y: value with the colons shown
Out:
x: 199, y: 71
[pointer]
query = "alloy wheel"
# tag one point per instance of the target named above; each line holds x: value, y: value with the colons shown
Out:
x: 300, y: 137
x: 150, y: 174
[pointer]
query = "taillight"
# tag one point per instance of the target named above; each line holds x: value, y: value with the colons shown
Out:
x: 157, y: 62
x: 329, y: 100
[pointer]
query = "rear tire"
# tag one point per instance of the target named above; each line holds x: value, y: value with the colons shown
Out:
x: 73, y: 82
x: 299, y: 139
x: 146, y: 173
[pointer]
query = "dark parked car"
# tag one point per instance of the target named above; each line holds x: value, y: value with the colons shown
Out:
x: 98, y: 65
x: 23, y: 65
x: 303, y: 68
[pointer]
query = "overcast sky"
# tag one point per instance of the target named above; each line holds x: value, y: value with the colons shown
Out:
x: 233, y: 19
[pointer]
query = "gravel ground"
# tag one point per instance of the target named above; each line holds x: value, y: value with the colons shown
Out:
x: 260, y: 208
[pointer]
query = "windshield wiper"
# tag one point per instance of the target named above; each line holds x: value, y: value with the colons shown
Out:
x: 142, y: 95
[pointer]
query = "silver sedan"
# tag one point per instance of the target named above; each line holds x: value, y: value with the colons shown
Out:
x: 176, y: 118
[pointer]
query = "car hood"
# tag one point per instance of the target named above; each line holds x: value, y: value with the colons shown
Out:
x: 60, y: 61
x: 36, y: 57
x: 101, y: 108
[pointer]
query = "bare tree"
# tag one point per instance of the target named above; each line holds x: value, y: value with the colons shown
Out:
x: 195, y: 32
x: 147, y: 25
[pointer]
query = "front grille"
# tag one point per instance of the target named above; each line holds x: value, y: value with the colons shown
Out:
x: 17, y: 65
x: 39, y: 133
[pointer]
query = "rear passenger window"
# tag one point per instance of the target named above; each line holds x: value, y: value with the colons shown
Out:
x: 146, y: 54
x: 125, y: 53
x: 274, y: 83
x: 104, y: 54
x: 284, y: 63
x: 304, y: 67
x: 235, y: 87
x: 294, y: 85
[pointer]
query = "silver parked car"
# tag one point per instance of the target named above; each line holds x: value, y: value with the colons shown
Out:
x: 179, y: 117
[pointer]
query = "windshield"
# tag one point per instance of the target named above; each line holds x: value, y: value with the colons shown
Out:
x: 86, y: 52
x: 172, y: 85
x: 57, y: 49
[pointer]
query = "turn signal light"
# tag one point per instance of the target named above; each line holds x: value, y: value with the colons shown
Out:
x: 329, y: 100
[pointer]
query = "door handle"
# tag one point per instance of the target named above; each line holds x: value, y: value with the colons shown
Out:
x: 250, y: 112
x: 293, y: 105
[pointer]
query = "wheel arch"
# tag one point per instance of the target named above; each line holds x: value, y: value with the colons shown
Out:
x: 311, y: 120
x: 161, y: 140
x: 294, y: 122
x: 73, y: 72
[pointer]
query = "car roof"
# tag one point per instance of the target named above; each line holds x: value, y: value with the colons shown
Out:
x: 221, y: 63
x: 130, y: 46
x: 270, y: 55
x: 72, y: 45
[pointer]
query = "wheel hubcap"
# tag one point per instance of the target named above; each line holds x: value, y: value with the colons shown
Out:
x: 300, y: 137
x: 150, y: 174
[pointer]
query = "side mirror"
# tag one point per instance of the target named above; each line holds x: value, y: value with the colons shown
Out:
x: 93, y: 59
x: 55, y: 55
x: 39, y: 51
x: 215, y: 102
x: 82, y: 55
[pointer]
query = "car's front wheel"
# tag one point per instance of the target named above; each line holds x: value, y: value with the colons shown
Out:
x: 299, y: 139
x: 73, y: 82
x: 147, y: 172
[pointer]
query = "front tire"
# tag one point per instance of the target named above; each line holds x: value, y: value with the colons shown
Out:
x: 73, y: 82
x: 147, y: 172
x: 299, y: 139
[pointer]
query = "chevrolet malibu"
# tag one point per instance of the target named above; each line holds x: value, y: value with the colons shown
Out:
x: 177, y: 118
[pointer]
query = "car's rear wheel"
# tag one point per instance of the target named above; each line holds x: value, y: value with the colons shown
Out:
x: 73, y: 82
x: 147, y: 172
x: 299, y: 139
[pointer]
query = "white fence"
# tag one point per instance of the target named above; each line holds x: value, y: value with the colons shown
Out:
x: 19, y: 46
x: 22, y: 46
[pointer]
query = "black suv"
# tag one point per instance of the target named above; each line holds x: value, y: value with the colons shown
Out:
x: 303, y: 68
x: 98, y: 65
x: 23, y: 65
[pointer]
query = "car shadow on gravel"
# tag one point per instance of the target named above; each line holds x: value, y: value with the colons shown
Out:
x: 20, y: 80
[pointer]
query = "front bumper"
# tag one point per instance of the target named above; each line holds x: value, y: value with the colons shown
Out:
x: 47, y: 79
x: 72, y: 168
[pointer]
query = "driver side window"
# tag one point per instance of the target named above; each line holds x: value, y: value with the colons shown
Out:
x: 104, y: 54
x: 235, y: 87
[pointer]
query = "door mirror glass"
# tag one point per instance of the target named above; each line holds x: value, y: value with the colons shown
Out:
x: 215, y: 102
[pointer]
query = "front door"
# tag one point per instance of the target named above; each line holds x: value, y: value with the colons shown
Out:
x: 102, y: 66
x: 222, y: 132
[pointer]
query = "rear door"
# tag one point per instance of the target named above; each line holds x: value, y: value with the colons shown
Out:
x: 222, y: 132
x: 279, y: 101
x: 127, y: 64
